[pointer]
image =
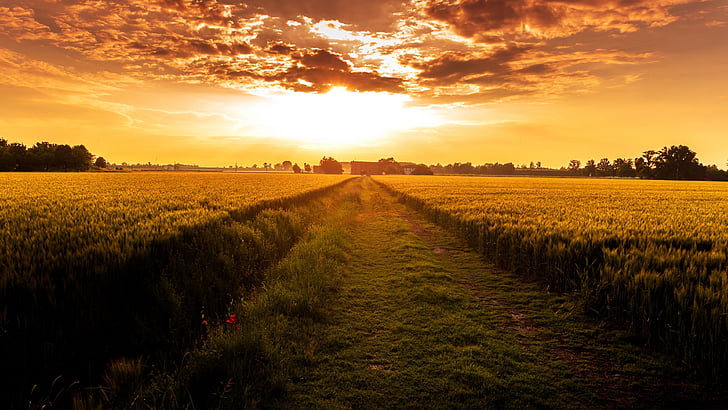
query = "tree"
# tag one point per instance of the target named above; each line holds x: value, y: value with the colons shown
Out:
x: 623, y: 167
x: 41, y: 156
x: 604, y: 167
x: 460, y: 168
x: 7, y: 162
x: 287, y: 165
x: 590, y: 169
x: 101, y: 162
x: 390, y: 166
x: 574, y: 166
x: 642, y: 169
x: 649, y: 157
x: 81, y: 159
x: 714, y: 174
x: 422, y: 169
x: 296, y: 169
x: 331, y: 166
x: 678, y: 162
x: 306, y: 167
x: 63, y: 160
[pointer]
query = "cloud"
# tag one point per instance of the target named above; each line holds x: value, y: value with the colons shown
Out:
x: 320, y: 70
x: 451, y: 68
x: 372, y: 15
x: 547, y: 18
x: 476, y: 50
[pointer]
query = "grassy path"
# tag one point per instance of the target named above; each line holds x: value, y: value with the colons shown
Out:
x: 421, y: 321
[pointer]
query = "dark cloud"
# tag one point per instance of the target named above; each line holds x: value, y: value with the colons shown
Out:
x: 320, y: 70
x: 451, y: 68
x: 324, y: 59
x: 279, y: 48
x: 547, y: 18
x: 323, y: 79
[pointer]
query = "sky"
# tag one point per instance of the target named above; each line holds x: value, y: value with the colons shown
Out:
x: 222, y: 82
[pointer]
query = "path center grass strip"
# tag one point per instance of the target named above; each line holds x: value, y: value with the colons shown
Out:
x: 404, y: 333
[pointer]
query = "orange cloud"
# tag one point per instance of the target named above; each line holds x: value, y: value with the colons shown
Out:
x: 475, y: 50
x: 485, y: 19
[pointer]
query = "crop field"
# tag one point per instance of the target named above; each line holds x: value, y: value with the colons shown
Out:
x: 197, y: 290
x: 70, y: 214
x: 102, y: 264
x: 652, y: 254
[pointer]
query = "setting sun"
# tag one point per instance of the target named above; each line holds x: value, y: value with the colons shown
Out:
x: 338, y: 117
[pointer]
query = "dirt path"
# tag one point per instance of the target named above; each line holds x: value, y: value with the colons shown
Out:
x: 421, y: 321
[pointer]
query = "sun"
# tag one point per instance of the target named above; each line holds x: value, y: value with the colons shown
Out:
x: 338, y: 118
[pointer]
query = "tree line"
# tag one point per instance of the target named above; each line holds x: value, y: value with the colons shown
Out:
x: 44, y: 156
x: 674, y: 162
x: 469, y: 168
x: 677, y: 162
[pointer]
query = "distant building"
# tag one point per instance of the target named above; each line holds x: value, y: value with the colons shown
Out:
x: 366, y: 168
x: 408, y: 167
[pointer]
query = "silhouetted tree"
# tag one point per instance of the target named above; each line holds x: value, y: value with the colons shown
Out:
x: 642, y: 169
x: 461, y: 168
x: 41, y: 156
x: 287, y: 165
x: 574, y: 166
x: 63, y: 160
x: 296, y: 169
x: 496, y: 169
x: 678, y: 162
x: 44, y: 156
x: 604, y: 168
x: 590, y: 169
x: 422, y: 169
x: 390, y: 166
x: 714, y: 174
x: 623, y: 167
x: 306, y: 167
x: 101, y: 162
x: 650, y: 156
x: 331, y: 166
x: 81, y: 159
x: 6, y: 162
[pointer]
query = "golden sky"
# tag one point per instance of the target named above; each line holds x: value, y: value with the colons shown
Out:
x: 218, y: 82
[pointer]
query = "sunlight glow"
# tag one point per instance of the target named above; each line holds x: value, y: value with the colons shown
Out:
x: 339, y: 117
